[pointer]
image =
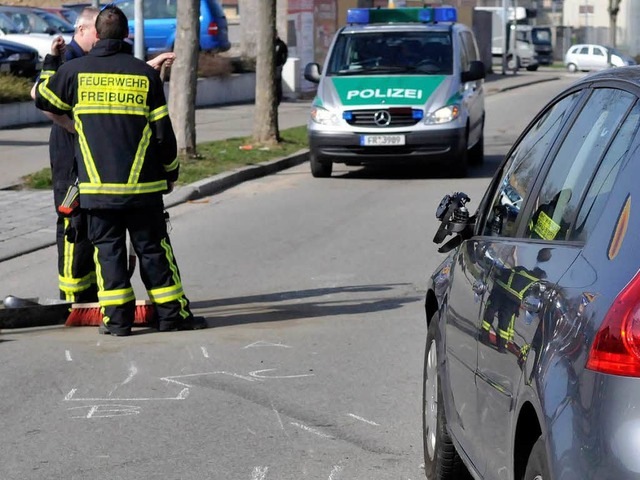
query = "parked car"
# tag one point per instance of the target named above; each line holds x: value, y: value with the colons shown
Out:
x: 67, y: 14
x: 595, y: 57
x: 36, y: 20
x: 17, y: 59
x: 532, y: 358
x: 160, y: 25
x: 40, y: 41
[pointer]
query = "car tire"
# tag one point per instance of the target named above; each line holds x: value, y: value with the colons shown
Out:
x: 476, y: 154
x: 320, y: 169
x: 441, y: 460
x: 459, y: 166
x: 537, y: 465
x: 572, y: 67
x: 532, y: 68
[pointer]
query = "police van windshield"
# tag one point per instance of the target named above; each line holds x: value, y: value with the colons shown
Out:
x: 389, y: 53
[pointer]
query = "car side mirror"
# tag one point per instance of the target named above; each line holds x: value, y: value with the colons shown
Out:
x: 312, y: 72
x: 454, y: 218
x: 476, y: 72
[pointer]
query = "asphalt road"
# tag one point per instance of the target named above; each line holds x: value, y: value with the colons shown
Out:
x: 313, y: 366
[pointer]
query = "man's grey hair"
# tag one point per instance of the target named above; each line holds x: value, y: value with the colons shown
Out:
x: 87, y: 17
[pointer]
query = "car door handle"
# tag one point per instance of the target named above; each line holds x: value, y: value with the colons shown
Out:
x: 532, y: 303
x: 479, y: 287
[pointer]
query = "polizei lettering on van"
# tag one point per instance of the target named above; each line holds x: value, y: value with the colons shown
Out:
x: 388, y: 93
x: 390, y: 90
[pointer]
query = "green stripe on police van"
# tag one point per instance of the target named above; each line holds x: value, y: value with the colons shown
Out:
x: 391, y: 90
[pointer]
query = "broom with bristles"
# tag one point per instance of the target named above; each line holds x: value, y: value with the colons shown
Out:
x: 90, y: 314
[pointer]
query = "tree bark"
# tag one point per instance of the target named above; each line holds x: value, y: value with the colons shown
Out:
x: 184, y: 76
x: 265, y: 125
x: 249, y: 21
x: 614, y: 8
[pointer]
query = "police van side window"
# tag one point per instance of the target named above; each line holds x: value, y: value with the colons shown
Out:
x: 470, y: 46
x: 464, y: 58
x: 575, y: 163
x: 522, y: 168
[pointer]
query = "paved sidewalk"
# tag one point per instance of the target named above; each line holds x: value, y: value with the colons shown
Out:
x: 28, y: 217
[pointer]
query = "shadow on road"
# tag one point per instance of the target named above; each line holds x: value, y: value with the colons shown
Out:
x: 321, y: 302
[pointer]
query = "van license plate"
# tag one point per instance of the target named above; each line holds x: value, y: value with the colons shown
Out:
x: 381, y: 140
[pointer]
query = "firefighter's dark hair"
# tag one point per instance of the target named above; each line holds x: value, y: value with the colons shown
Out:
x: 112, y: 24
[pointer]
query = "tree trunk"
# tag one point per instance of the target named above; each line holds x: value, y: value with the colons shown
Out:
x: 249, y: 22
x: 184, y: 76
x: 265, y: 124
x: 614, y: 8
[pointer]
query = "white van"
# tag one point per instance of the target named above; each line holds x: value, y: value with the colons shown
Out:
x: 398, y: 84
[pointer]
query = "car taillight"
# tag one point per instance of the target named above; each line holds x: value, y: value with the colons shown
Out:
x: 213, y: 28
x: 616, y: 348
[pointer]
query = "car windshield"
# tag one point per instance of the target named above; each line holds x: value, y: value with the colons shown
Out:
x: 392, y: 53
x: 541, y: 35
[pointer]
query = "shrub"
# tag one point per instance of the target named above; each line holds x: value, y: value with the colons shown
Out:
x: 14, y: 89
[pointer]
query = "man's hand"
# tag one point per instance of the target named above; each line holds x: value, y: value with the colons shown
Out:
x: 58, y: 46
x: 165, y: 59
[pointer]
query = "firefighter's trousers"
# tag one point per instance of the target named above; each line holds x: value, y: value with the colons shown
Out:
x: 158, y: 269
x: 76, y: 270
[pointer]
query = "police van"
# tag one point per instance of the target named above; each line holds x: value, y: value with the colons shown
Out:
x: 398, y: 83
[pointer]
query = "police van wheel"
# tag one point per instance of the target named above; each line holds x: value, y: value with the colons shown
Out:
x: 320, y: 169
x: 476, y: 154
x: 460, y: 166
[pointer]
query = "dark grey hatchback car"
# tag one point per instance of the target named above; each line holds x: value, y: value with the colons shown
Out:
x: 532, y: 359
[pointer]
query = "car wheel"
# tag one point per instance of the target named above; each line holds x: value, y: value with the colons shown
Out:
x: 476, y: 154
x: 459, y: 166
x: 537, y: 465
x: 320, y: 169
x: 532, y: 68
x: 441, y: 461
x: 572, y: 67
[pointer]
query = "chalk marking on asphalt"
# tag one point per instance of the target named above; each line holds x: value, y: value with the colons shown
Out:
x: 310, y: 430
x: 334, y: 472
x: 262, y: 343
x: 256, y: 374
x: 132, y: 372
x: 363, y: 419
x: 251, y: 431
x: 107, y: 411
x: 70, y: 397
x: 67, y: 355
x: 204, y: 352
x: 172, y: 378
x: 259, y: 473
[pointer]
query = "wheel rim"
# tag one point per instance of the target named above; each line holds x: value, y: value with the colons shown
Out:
x: 431, y: 400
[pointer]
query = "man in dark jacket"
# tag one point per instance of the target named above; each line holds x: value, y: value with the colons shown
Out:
x: 281, y: 55
x: 126, y: 156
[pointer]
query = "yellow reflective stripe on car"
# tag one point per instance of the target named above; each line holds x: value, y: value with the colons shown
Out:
x: 51, y: 97
x: 172, y: 166
x: 87, y: 158
x: 116, y: 297
x: 158, y: 113
x: 166, y: 294
x: 136, y: 168
x: 122, y: 188
x: 110, y: 110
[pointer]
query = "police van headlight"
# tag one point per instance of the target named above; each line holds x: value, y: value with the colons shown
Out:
x: 323, y: 116
x: 443, y: 115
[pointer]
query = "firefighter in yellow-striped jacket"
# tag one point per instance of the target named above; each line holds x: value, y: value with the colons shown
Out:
x: 126, y: 155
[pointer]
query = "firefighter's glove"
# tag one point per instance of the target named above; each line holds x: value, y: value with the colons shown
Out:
x: 76, y: 230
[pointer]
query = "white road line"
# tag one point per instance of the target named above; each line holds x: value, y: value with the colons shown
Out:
x: 204, y: 352
x: 363, y: 419
x: 256, y: 374
x: 67, y: 355
x: 310, y: 430
x: 70, y: 397
x: 259, y: 473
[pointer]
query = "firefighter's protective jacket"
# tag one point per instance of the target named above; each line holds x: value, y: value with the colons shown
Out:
x: 125, y: 145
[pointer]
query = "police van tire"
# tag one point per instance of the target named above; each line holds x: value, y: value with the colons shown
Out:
x: 320, y: 169
x: 476, y: 154
x: 441, y: 460
x: 459, y: 165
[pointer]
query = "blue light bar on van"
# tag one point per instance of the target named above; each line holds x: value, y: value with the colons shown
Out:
x: 363, y: 16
